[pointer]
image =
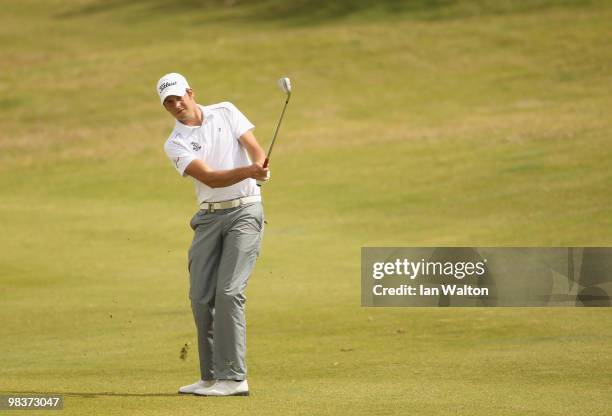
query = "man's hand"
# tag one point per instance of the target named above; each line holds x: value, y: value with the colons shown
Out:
x: 258, y: 172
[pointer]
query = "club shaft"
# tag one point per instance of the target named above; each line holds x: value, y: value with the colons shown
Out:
x: 276, y: 131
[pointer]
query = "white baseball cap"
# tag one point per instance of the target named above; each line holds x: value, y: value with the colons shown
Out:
x: 171, y: 84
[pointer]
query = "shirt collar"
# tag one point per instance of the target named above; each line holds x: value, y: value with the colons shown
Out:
x: 186, y: 130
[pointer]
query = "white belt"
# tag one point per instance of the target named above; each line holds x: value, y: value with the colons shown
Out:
x: 232, y: 203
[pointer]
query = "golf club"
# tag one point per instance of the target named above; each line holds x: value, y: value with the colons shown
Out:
x: 285, y: 85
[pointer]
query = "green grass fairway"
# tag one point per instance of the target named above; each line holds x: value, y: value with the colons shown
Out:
x: 416, y: 123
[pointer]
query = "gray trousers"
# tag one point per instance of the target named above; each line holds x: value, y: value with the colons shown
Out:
x: 225, y: 246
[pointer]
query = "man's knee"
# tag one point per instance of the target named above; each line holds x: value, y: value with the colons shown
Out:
x: 230, y: 297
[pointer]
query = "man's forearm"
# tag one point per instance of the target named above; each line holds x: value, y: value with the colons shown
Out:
x: 256, y: 153
x: 258, y: 156
x: 223, y: 178
x: 218, y: 178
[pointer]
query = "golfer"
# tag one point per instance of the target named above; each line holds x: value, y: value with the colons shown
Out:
x: 215, y: 146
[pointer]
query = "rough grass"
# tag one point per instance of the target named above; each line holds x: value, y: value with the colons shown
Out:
x: 412, y: 123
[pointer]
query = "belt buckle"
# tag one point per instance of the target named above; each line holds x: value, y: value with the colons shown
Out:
x: 211, y: 207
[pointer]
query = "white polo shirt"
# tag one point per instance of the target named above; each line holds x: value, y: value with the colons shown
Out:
x: 216, y: 142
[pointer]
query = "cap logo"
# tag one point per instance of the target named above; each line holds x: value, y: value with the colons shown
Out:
x: 166, y: 85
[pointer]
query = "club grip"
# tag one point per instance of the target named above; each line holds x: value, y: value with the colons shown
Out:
x: 265, y: 165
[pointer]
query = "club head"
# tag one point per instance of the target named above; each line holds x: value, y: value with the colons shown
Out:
x: 285, y: 85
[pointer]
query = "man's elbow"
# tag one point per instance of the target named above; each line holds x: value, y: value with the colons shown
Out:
x: 210, y: 182
x: 213, y: 185
x: 204, y: 177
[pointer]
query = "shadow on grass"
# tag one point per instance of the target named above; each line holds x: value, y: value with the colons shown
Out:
x: 90, y: 395
x: 312, y: 12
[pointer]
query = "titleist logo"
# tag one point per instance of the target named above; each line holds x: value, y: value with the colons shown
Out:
x: 166, y: 85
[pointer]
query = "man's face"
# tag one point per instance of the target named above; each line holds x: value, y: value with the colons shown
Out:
x: 182, y: 108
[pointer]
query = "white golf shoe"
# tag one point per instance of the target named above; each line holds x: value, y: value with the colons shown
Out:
x: 191, y: 388
x: 225, y: 388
